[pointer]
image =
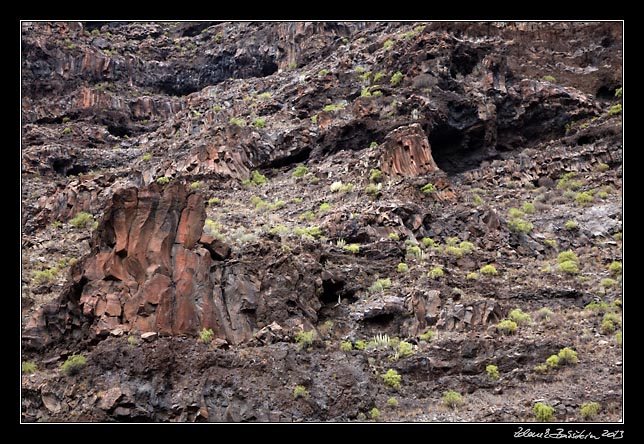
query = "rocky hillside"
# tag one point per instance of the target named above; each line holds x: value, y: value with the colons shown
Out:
x: 321, y: 221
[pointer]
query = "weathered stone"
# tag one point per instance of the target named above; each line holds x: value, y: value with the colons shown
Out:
x: 218, y: 249
x: 149, y: 336
x: 406, y: 152
x: 109, y: 399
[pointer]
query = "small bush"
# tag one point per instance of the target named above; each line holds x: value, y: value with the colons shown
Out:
x: 67, y: 131
x: 323, y: 72
x: 553, y: 361
x: 259, y: 123
x: 305, y: 338
x: 74, y: 364
x: 392, y: 378
x: 206, y: 335
x: 545, y: 313
x: 346, y: 346
x: 352, y: 248
x: 373, y: 189
x: 374, y: 414
x: 472, y: 276
x: 543, y: 412
x: 436, y: 272
x: 489, y: 270
x: 564, y: 181
x: 507, y: 327
x: 615, y: 109
x: 427, y: 336
x: 163, y: 180
x: 549, y: 78
x: 396, y: 78
x: 392, y: 402
x: 309, y: 232
x: 567, y: 356
x: 454, y: 251
x: 45, y: 276
x: 300, y: 392
x: 618, y: 92
x: 237, y: 121
x: 569, y: 267
x: 428, y: 188
x: 492, y: 372
x: 324, y: 206
x: 380, y: 285
x: 528, y: 207
x: 82, y: 220
x: 521, y: 318
x: 519, y: 225
x: 466, y: 246
x: 615, y: 268
x: 428, y: 242
x: 258, y: 178
x: 146, y: 157
x: 213, y: 201
x: 28, y: 367
x: 388, y: 44
x: 360, y: 344
x: 300, y: 171
x: 608, y: 282
x: 195, y: 185
x: 541, y: 368
x: 452, y: 399
x: 566, y: 256
x: 403, y: 268
x: 571, y: 225
x: 515, y: 212
x: 583, y: 198
x: 602, y: 166
x: 589, y: 410
x: 394, y: 236
x: 618, y: 338
x: 307, y: 215
x: 608, y: 326
x: 336, y: 186
x: 334, y: 107
x: 404, y: 349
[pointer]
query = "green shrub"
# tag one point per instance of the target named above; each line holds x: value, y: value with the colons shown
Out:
x: 569, y: 267
x: 564, y: 181
x: 388, y: 44
x: 466, y: 246
x: 195, y: 185
x: 82, y: 220
x: 615, y: 109
x: 259, y: 123
x: 541, y: 368
x: 571, y: 225
x: 545, y: 313
x: 608, y: 282
x: 346, y: 346
x: 515, y: 212
x: 380, y: 285
x: 528, y: 207
x: 336, y: 186
x: 492, y: 372
x: 213, y: 201
x: 237, y: 121
x: 452, y: 399
x: 543, y: 412
x: 521, y: 318
x: 375, y: 175
x: 489, y: 270
x: 74, y: 364
x: 567, y: 356
x: 428, y: 242
x: 566, y: 256
x: 519, y: 225
x: 507, y: 327
x: 324, y: 206
x: 602, y: 166
x: 67, y: 131
x: 28, y: 367
x: 309, y: 232
x: 392, y: 378
x: 334, y: 107
x: 360, y: 344
x: 553, y: 361
x: 146, y: 157
x: 300, y: 171
x: 618, y: 338
x: 549, y: 78
x: 403, y: 268
x: 608, y: 326
x: 307, y: 215
x: 45, y: 276
x: 373, y: 189
x: 206, y: 335
x: 404, y: 349
x: 584, y: 198
x: 589, y: 410
x: 454, y: 251
x: 374, y: 414
x: 305, y: 338
x: 436, y: 272
x: 428, y: 188
x: 352, y: 248
x: 131, y: 341
x: 323, y: 72
x: 618, y: 92
x: 163, y: 180
x: 615, y: 268
x: 314, y: 119
x: 427, y: 336
x: 258, y: 178
x: 300, y: 392
x: 396, y: 78
x: 394, y: 236
x: 472, y: 276
x: 392, y: 402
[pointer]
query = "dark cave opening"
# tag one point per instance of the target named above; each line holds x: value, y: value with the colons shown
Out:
x: 454, y: 151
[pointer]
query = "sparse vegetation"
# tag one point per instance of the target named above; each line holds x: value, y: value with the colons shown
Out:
x: 549, y: 78
x: 374, y: 414
x: 352, y: 248
x: 73, y: 364
x: 380, y: 285
x: 615, y: 109
x: 82, y: 220
x: 615, y: 268
x: 428, y: 188
x: 507, y: 327
x: 206, y: 335
x: 300, y: 392
x: 388, y: 44
x: 489, y: 270
x: 427, y: 336
x: 492, y: 372
x: 472, y: 276
x: 520, y: 225
x: 403, y: 268
x: 567, y: 356
x: 360, y: 344
x: 584, y: 197
x: 521, y: 318
x: 195, y: 185
x: 543, y: 412
x: 545, y: 314
x: 589, y: 410
x: 452, y: 399
x: 259, y: 123
x: 394, y: 236
x: 346, y: 346
x: 305, y: 339
x: 28, y: 367
x: 571, y: 225
x: 428, y: 242
x: 334, y: 107
x: 569, y: 267
x: 436, y: 272
x: 300, y: 171
x: 163, y: 180
x: 237, y: 121
x: 392, y: 402
x: 392, y: 378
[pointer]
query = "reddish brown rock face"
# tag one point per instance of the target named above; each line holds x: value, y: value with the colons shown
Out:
x: 407, y: 152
